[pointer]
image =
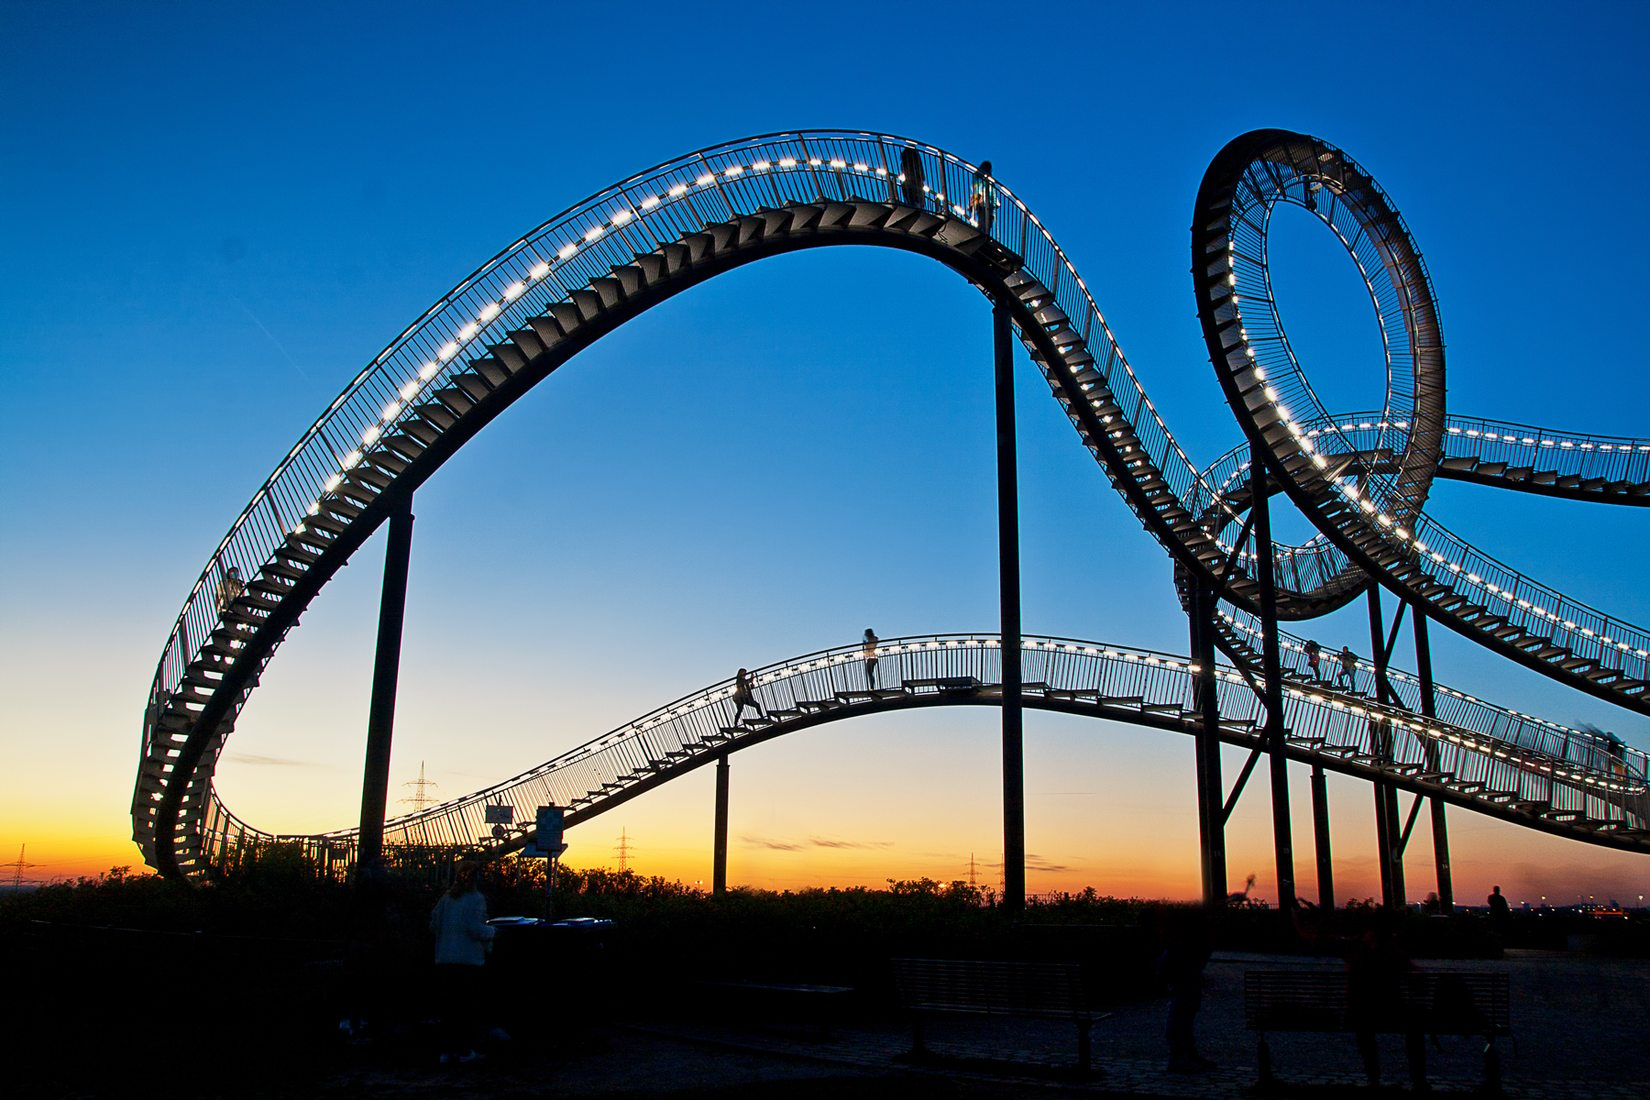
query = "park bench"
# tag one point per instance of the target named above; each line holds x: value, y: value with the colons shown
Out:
x: 1051, y: 990
x: 1430, y: 1002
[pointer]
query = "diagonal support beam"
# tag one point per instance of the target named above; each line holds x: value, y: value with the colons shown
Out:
x: 1243, y: 777
x: 1409, y: 824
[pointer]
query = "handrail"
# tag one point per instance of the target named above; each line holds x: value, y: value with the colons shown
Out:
x: 699, y: 726
x: 680, y: 199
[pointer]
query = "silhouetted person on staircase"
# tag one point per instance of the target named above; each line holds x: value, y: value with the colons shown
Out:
x: 1314, y: 655
x: 871, y: 659
x: 910, y: 166
x: 982, y: 204
x: 1349, y: 669
x: 230, y: 589
x: 744, y: 695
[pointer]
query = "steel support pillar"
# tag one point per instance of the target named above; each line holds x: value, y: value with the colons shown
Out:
x: 386, y: 670
x: 1211, y: 819
x: 1440, y: 828
x: 719, y: 847
x: 1320, y: 839
x: 1388, y: 821
x: 1008, y: 556
x: 1272, y: 669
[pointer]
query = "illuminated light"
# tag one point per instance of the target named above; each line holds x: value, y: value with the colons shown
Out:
x: 468, y: 331
x: 390, y: 410
x: 517, y: 289
x: 427, y: 371
x: 650, y: 202
x: 678, y: 191
x: 314, y: 508
x: 736, y: 170
x: 352, y: 460
x: 331, y: 483
x: 1271, y: 394
x: 1260, y: 371
x: 787, y: 162
x: 881, y: 171
x: 567, y: 251
x: 762, y: 165
x: 594, y: 233
x: 448, y: 350
x: 858, y: 167
x: 409, y: 390
x: 838, y: 163
x: 540, y: 270
x: 488, y: 312
x: 816, y: 162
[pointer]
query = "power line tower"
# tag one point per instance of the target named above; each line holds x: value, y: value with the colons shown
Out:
x: 623, y: 850
x: 972, y: 880
x: 421, y: 787
x: 18, y: 866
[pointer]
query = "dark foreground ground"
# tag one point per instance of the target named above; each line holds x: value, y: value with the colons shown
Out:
x: 1579, y: 1023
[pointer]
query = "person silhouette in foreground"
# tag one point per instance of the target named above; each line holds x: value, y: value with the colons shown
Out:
x: 871, y: 659
x: 1348, y: 670
x: 744, y: 695
x: 1500, y: 911
x: 462, y: 940
x: 1377, y: 968
x: 1184, y: 936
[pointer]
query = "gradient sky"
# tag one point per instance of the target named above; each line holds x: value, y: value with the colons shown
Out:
x: 216, y: 214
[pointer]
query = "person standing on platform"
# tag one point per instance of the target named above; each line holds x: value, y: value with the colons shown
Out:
x: 462, y: 940
x: 871, y: 658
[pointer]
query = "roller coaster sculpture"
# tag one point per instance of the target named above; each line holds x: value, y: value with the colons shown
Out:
x: 1362, y: 480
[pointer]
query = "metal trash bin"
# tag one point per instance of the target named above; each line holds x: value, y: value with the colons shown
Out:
x: 538, y: 964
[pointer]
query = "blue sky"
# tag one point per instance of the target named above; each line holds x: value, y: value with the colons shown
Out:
x: 218, y: 214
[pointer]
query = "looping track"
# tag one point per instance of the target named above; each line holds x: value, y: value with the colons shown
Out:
x: 1363, y: 482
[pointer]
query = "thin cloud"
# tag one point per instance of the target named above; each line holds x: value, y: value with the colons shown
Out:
x: 823, y: 842
x: 256, y: 760
x: 775, y: 845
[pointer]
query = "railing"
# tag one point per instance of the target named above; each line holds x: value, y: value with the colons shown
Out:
x: 1389, y: 503
x: 700, y: 726
x: 1606, y: 757
x: 651, y: 209
x: 655, y: 208
x: 1609, y: 458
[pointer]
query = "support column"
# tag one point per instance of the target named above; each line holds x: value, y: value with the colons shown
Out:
x: 1211, y: 818
x: 1272, y: 667
x: 1440, y: 828
x: 1008, y: 555
x: 1320, y: 839
x: 719, y: 847
x: 1388, y: 821
x: 386, y: 670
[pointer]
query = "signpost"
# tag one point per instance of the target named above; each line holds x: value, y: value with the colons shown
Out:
x: 547, y: 842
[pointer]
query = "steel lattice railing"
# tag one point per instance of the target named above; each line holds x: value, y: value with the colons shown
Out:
x: 1118, y: 682
x: 681, y: 198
